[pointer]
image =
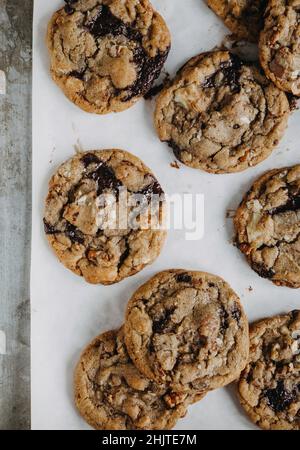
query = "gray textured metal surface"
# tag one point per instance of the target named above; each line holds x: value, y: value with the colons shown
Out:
x: 15, y: 216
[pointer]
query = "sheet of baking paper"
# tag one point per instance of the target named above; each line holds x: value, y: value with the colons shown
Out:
x: 66, y: 312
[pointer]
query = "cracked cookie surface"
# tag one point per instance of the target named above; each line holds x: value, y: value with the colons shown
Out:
x: 269, y: 387
x: 188, y: 329
x: 243, y: 17
x: 267, y: 225
x: 104, y: 215
x: 111, y: 394
x: 280, y: 44
x: 106, y: 54
x: 221, y: 115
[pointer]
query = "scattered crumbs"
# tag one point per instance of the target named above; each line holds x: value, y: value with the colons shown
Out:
x: 250, y: 288
x: 230, y: 213
x: 158, y: 87
x: 175, y: 165
x: 2, y: 83
x: 78, y: 147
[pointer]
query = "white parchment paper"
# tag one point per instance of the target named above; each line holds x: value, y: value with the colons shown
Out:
x: 66, y: 312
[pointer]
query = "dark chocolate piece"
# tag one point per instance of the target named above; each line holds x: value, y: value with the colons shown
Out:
x: 183, y: 278
x: 90, y: 158
x: 279, y: 398
x: 74, y: 234
x: 231, y: 73
x: 105, y: 178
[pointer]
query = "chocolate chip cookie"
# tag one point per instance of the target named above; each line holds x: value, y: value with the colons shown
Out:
x: 106, y: 54
x: 269, y: 387
x: 220, y: 114
x: 280, y: 44
x: 104, y: 215
x: 188, y: 329
x: 243, y: 17
x: 267, y: 225
x: 111, y: 394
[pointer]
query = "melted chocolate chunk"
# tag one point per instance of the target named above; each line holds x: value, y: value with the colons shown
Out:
x: 293, y: 204
x: 293, y: 101
x: 160, y: 324
x: 49, y: 229
x: 105, y: 179
x: 183, y: 278
x: 236, y: 313
x: 77, y: 74
x: 176, y: 150
x: 89, y: 159
x: 201, y: 341
x: 68, y: 7
x: 153, y: 188
x: 279, y: 398
x: 224, y: 319
x: 70, y: 231
x: 124, y: 255
x: 294, y: 314
x: 231, y: 73
x: 255, y: 10
x: 74, y: 234
x: 107, y: 23
x: 263, y: 271
x: 148, y: 71
x: 154, y: 91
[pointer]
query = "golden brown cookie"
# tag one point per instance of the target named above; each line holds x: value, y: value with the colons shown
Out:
x: 280, y: 44
x: 243, y: 17
x: 269, y: 387
x: 267, y: 225
x: 111, y: 394
x: 106, y: 54
x: 104, y: 215
x: 188, y: 329
x: 220, y: 114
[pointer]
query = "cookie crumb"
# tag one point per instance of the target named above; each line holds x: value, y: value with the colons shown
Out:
x: 175, y: 165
